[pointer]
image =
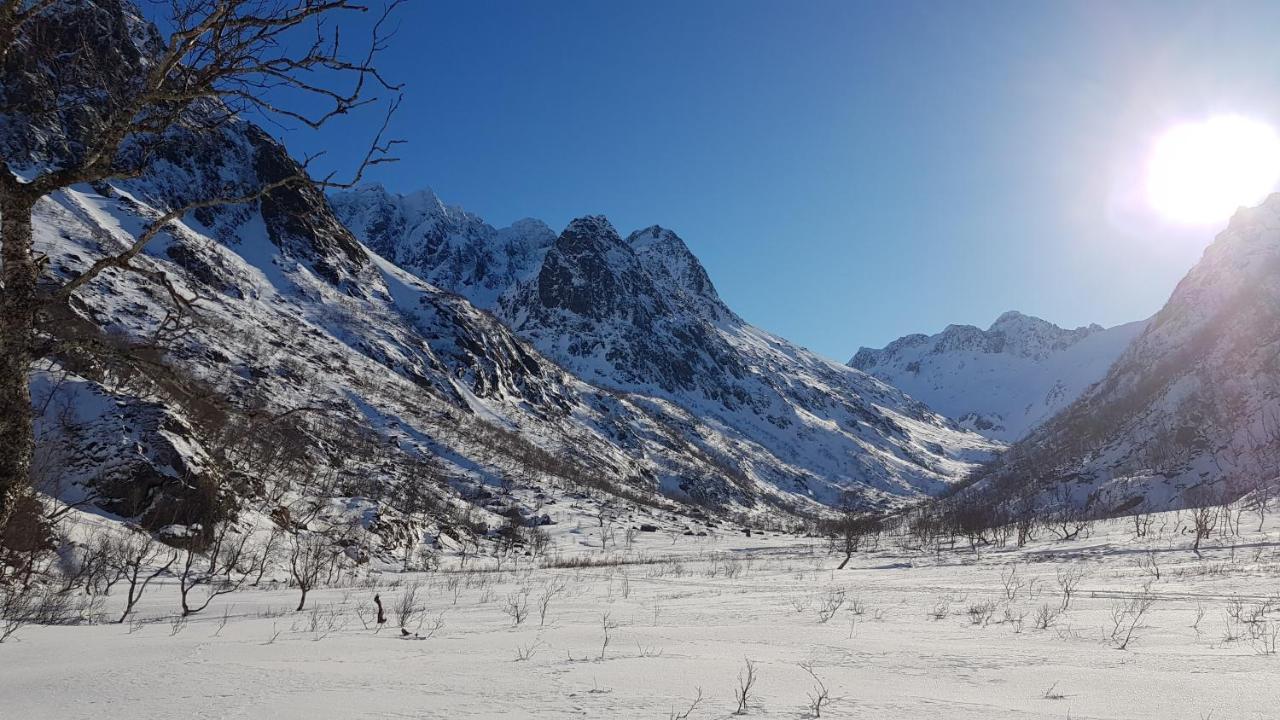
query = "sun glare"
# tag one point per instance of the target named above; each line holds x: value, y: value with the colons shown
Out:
x: 1200, y: 173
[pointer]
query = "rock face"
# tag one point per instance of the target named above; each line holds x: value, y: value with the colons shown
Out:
x: 1188, y: 413
x: 1004, y: 381
x: 639, y: 316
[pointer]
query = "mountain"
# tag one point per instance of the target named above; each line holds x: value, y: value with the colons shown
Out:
x: 1190, y: 411
x: 640, y: 316
x: 298, y: 336
x: 356, y: 369
x: 445, y: 246
x: 1004, y: 381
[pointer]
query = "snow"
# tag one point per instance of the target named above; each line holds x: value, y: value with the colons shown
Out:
x: 688, y: 610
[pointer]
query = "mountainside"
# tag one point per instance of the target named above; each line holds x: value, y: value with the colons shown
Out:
x: 1003, y: 381
x: 362, y: 382
x: 1190, y: 412
x: 640, y: 316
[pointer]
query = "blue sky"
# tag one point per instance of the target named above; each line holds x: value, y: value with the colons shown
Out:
x: 848, y: 172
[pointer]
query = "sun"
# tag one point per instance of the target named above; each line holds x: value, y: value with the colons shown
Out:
x: 1202, y: 172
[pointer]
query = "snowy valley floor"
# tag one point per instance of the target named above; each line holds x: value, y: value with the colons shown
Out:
x: 913, y: 636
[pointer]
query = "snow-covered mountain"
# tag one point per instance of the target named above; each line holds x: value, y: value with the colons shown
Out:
x: 1003, y: 381
x: 446, y: 246
x: 640, y: 316
x: 628, y: 376
x: 1190, y: 411
x: 292, y: 316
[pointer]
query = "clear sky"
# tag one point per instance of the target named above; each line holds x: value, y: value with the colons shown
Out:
x: 848, y: 172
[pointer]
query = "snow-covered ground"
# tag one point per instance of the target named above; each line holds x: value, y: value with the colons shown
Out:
x: 917, y: 635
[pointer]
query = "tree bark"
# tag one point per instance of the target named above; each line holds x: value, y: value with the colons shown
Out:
x: 18, y: 303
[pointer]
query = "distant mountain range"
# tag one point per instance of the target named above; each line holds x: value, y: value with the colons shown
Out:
x: 1003, y: 381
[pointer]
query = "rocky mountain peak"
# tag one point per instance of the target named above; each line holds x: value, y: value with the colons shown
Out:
x: 667, y: 256
x: 591, y: 273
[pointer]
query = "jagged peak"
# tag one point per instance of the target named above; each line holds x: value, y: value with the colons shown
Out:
x: 1010, y: 317
x: 593, y: 225
x: 530, y: 225
x: 653, y: 235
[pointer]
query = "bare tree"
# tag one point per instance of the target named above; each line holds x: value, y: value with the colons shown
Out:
x: 1205, y: 519
x: 1126, y: 617
x: 192, y: 577
x: 309, y: 557
x: 221, y: 59
x: 133, y: 557
x: 850, y: 530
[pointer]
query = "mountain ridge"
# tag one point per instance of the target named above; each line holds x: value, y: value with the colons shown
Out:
x: 1003, y: 381
x: 640, y: 315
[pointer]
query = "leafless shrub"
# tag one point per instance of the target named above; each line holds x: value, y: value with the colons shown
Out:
x: 1142, y: 522
x: 1150, y: 565
x: 1052, y: 693
x: 1200, y: 611
x: 177, y: 624
x: 430, y: 627
x: 831, y: 604
x: 607, y: 625
x: 819, y: 695
x: 407, y: 606
x: 1068, y: 579
x: 517, y: 606
x: 941, y: 609
x: 17, y: 609
x: 222, y: 623
x: 697, y: 700
x: 980, y: 613
x: 746, y: 683
x: 1011, y: 583
x: 525, y: 653
x: 549, y: 591
x: 1046, y: 616
x: 647, y: 651
x: 1126, y: 617
x: 1264, y: 637
x: 1014, y: 619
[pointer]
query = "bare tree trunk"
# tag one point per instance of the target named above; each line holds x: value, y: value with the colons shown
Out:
x: 17, y: 326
